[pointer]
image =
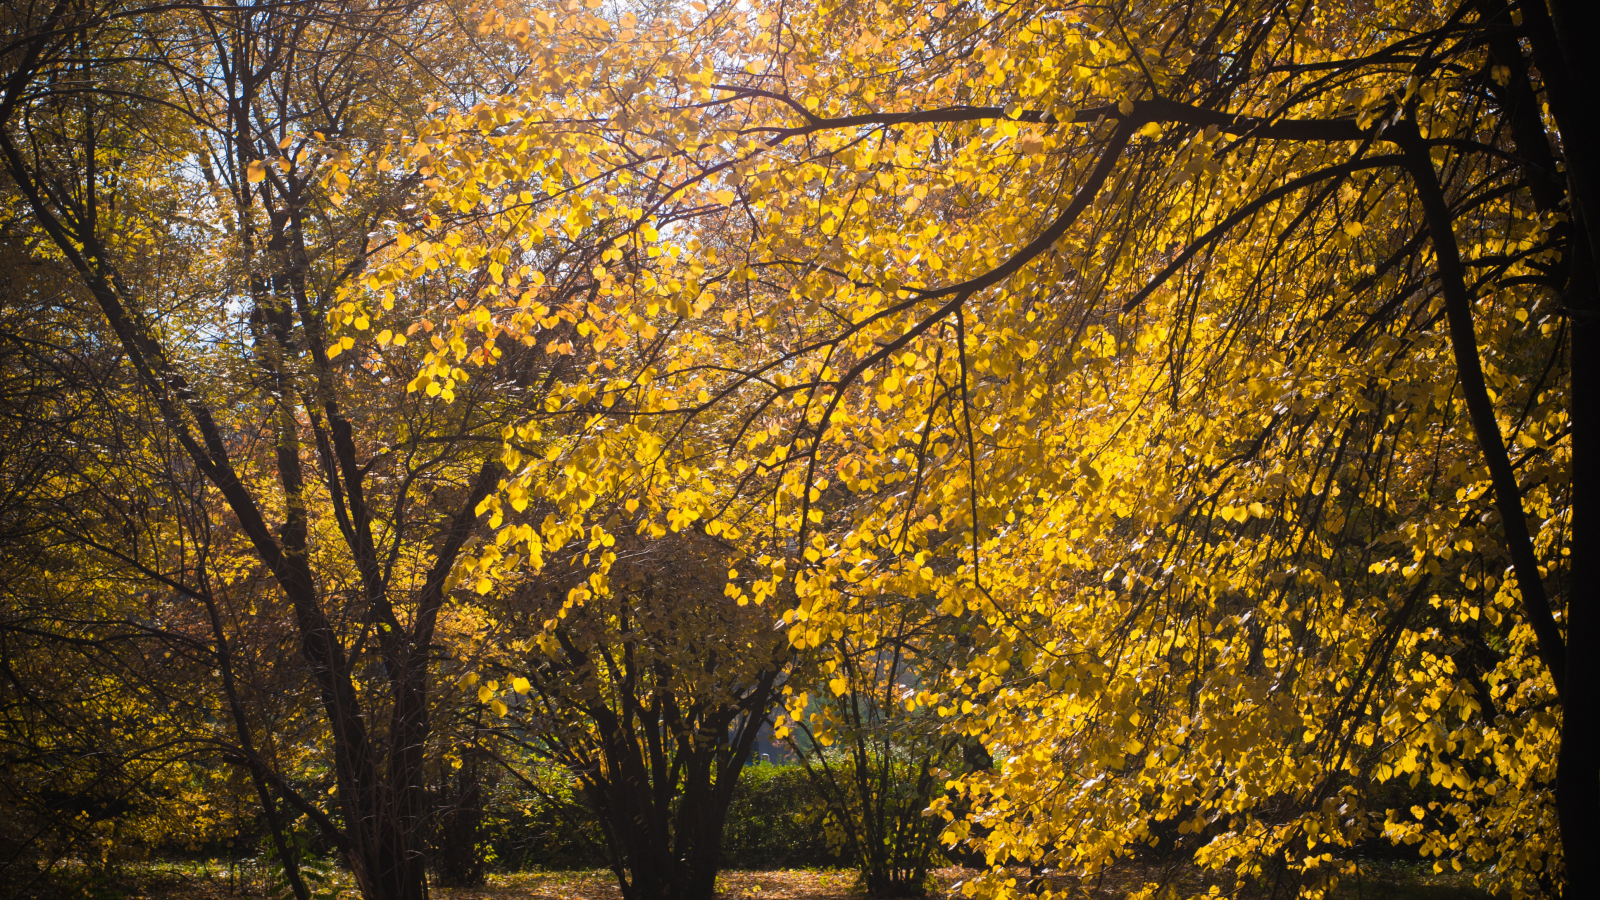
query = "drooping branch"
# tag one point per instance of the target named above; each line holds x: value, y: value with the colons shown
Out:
x: 1480, y: 409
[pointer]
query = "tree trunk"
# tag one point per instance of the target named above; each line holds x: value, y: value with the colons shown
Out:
x: 663, y: 813
x: 460, y: 828
x: 1578, y: 764
x: 664, y: 853
x: 1562, y: 44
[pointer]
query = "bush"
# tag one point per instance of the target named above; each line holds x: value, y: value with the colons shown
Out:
x: 523, y: 830
x: 774, y: 821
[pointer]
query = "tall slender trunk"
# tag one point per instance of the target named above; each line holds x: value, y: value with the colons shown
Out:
x: 1578, y: 764
x: 1577, y: 787
x: 1562, y: 39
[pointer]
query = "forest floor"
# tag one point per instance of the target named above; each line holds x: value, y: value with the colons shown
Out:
x: 211, y: 881
x: 1380, y: 881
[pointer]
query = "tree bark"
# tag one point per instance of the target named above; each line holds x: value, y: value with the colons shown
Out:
x: 1575, y: 779
x: 1562, y: 40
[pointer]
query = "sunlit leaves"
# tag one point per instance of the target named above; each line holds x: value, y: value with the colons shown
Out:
x: 1219, y: 547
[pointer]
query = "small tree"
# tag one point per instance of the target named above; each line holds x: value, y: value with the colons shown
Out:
x: 877, y: 762
x: 650, y: 691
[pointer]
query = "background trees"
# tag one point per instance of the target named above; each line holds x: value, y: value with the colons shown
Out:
x: 216, y: 180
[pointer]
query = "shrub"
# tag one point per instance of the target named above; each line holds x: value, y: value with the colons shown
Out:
x: 551, y: 829
x: 774, y: 821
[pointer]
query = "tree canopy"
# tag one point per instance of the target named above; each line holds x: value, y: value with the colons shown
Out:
x: 1184, y: 403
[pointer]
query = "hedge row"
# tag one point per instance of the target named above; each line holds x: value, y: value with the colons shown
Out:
x: 773, y: 822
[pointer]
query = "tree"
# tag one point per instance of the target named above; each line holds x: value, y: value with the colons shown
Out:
x: 104, y: 741
x: 217, y: 180
x: 1210, y: 333
x: 650, y: 693
x: 878, y: 764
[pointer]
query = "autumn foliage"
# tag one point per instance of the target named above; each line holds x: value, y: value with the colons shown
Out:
x: 1163, y: 423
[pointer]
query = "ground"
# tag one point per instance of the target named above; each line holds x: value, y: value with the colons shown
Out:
x: 798, y: 884
x: 220, y: 881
